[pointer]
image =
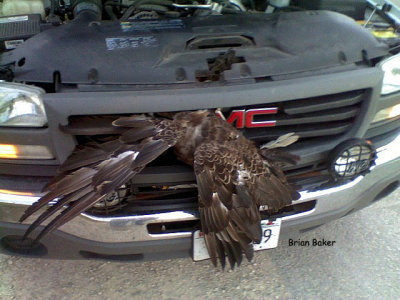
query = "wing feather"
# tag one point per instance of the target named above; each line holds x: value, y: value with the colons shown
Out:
x: 150, y: 150
x: 90, y: 154
x: 140, y: 121
x: 65, y: 186
x: 216, y: 183
x: 229, y: 253
x: 220, y: 251
x: 233, y: 181
x: 102, y: 168
x: 136, y: 134
x: 212, y: 247
x: 52, y: 209
x: 69, y: 213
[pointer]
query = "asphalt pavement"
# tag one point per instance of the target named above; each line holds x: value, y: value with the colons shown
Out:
x: 363, y: 263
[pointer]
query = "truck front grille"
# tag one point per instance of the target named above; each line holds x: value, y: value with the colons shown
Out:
x: 315, y: 120
x: 311, y: 118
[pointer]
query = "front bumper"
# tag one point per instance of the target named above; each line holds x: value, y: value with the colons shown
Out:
x: 128, y: 237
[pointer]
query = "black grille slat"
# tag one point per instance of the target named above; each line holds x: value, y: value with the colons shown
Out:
x: 90, y: 125
x: 311, y: 118
x: 305, y: 131
x: 329, y: 116
x: 323, y: 103
x: 163, y: 205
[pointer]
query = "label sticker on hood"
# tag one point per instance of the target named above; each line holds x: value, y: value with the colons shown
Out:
x: 136, y: 42
x: 152, y: 25
x: 13, y: 44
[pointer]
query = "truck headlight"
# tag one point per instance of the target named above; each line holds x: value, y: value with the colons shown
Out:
x: 391, y: 79
x: 21, y: 106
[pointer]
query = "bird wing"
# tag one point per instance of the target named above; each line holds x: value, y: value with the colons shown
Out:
x: 94, y: 171
x: 233, y: 181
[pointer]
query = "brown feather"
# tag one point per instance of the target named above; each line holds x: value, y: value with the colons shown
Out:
x: 229, y: 253
x: 65, y: 186
x: 69, y: 213
x: 220, y: 252
x: 90, y: 154
x: 133, y: 121
x: 212, y: 248
x: 60, y: 204
x: 104, y: 168
x: 136, y: 134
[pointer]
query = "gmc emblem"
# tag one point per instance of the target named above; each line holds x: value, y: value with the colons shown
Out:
x: 245, y: 118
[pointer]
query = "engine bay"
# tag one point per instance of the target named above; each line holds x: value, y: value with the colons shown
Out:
x: 94, y: 44
x: 59, y: 11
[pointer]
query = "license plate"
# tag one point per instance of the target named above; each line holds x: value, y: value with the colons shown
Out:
x: 270, y: 238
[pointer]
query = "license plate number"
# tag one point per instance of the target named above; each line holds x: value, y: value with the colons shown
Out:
x: 270, y: 239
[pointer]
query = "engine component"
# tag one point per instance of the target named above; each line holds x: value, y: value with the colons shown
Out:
x: 89, y: 8
x: 127, y: 2
x: 213, y: 6
x: 21, y: 7
x: 352, y: 8
x: 276, y: 4
x: 145, y: 15
x: 172, y: 9
x: 279, y: 3
x: 15, y: 30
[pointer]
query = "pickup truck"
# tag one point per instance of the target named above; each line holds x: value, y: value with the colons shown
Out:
x: 327, y: 70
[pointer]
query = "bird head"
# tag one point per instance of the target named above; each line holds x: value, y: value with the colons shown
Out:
x: 192, y: 118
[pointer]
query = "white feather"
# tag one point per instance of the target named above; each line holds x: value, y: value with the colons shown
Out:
x: 282, y: 141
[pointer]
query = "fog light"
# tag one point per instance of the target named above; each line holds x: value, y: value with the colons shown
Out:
x: 351, y: 159
x: 25, y: 152
x: 112, y: 199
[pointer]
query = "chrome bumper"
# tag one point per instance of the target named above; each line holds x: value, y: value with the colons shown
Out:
x: 331, y: 204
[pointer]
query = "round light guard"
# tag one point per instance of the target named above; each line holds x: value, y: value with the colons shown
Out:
x: 351, y: 158
x: 112, y: 199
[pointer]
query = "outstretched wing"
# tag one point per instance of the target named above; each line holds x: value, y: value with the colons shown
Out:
x: 233, y: 181
x: 94, y: 171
